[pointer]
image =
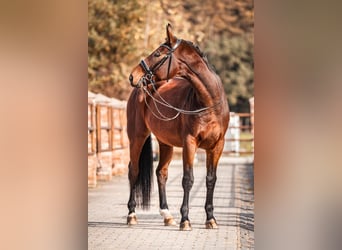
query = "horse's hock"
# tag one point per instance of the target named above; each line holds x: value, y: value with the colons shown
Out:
x: 108, y: 152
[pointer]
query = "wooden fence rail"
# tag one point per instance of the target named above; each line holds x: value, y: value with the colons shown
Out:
x: 107, y: 138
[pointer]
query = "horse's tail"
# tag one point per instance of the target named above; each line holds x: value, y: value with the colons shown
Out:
x: 145, y: 177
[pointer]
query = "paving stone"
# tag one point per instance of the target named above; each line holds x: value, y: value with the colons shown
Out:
x: 233, y: 209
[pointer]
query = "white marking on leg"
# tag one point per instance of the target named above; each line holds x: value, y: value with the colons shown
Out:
x: 165, y: 213
x: 131, y: 214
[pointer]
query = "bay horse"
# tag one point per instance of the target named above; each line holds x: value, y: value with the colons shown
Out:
x: 180, y: 99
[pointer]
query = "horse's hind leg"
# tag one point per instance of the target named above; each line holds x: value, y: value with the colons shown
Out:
x: 165, y: 152
x: 136, y: 145
x: 213, y: 157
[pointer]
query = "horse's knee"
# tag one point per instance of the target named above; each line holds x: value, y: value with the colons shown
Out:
x: 187, y: 181
x: 161, y: 175
x: 210, y: 181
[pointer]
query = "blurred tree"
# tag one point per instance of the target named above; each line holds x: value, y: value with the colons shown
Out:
x: 114, y: 31
x: 233, y: 60
x: 122, y: 32
x: 224, y: 31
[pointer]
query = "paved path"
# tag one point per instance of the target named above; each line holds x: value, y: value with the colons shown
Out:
x: 233, y: 209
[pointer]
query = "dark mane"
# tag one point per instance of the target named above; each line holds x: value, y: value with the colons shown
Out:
x: 201, y: 54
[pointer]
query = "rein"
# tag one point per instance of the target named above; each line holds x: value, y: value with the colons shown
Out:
x: 148, y: 78
x: 163, y: 102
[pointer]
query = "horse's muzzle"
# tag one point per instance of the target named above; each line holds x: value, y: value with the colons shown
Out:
x: 131, y: 79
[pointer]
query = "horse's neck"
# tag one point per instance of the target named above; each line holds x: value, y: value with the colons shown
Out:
x: 206, y: 83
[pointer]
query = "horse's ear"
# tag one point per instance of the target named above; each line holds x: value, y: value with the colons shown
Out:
x: 170, y: 38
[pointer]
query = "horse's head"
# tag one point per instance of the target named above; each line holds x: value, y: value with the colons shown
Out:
x: 165, y: 62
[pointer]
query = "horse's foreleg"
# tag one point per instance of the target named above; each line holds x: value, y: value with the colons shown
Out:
x: 212, y: 160
x: 189, y: 150
x: 165, y: 156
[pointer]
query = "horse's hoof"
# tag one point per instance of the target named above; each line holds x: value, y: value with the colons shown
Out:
x: 211, y: 224
x: 170, y: 222
x: 185, y: 226
x: 132, y: 220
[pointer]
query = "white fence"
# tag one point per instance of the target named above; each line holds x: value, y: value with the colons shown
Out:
x: 235, y: 145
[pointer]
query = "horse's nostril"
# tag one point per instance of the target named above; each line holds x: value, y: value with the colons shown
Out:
x: 131, y: 78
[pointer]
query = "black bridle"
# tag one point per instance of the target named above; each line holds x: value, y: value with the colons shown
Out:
x: 149, y: 72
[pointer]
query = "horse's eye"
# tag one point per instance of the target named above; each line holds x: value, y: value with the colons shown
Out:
x: 157, y: 54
